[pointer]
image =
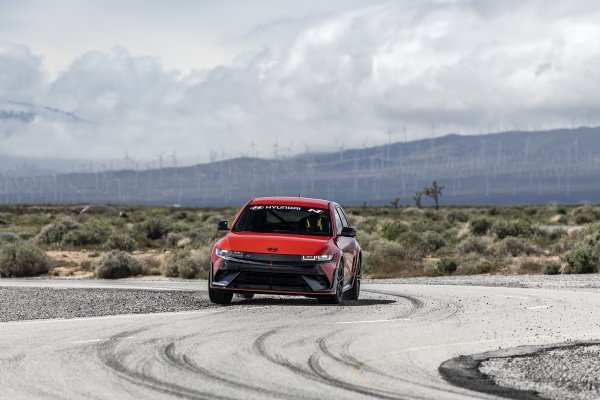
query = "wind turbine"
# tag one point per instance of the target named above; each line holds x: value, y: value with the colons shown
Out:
x: 160, y: 165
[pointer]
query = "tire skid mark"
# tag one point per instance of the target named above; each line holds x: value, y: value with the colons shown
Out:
x: 350, y: 361
x: 315, y: 371
x: 416, y: 304
x: 185, y: 363
x: 440, y: 312
x: 112, y: 358
x: 346, y: 358
x: 260, y: 346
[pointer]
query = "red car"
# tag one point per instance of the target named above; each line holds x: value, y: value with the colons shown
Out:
x: 287, y: 245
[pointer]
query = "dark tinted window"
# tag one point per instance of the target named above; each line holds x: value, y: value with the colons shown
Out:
x: 284, y: 219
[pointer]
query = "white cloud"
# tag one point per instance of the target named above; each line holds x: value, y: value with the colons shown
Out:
x: 21, y: 78
x: 339, y: 77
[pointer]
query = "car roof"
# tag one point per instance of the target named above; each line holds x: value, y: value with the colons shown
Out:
x: 294, y: 201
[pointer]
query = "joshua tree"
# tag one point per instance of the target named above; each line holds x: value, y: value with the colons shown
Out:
x: 434, y: 191
x: 417, y: 199
x: 395, y: 202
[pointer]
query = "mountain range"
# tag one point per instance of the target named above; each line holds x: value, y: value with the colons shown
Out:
x: 517, y: 167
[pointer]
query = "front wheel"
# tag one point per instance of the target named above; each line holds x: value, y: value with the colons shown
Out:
x: 339, y: 289
x: 354, y: 292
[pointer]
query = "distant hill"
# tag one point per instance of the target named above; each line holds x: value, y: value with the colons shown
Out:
x: 503, y: 168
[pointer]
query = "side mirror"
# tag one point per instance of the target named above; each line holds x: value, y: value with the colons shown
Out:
x: 222, y: 226
x: 347, y: 231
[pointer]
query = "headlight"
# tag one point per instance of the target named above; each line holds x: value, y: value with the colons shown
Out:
x: 228, y: 253
x: 324, y: 257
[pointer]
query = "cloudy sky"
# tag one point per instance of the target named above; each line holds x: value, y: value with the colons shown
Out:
x: 101, y: 79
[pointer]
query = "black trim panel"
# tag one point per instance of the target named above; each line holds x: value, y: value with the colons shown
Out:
x: 277, y: 276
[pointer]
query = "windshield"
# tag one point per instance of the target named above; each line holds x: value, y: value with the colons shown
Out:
x: 284, y: 219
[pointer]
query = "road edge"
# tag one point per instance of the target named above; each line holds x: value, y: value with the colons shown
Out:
x: 463, y: 371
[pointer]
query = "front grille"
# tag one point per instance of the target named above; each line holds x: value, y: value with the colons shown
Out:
x: 266, y: 281
x: 271, y: 272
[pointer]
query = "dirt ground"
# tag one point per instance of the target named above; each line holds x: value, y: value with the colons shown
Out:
x: 79, y: 263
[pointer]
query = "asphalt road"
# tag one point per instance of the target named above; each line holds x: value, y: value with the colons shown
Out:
x: 387, y: 345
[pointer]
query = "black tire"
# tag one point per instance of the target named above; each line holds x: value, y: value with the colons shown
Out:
x: 336, y: 298
x: 354, y: 292
x: 219, y: 296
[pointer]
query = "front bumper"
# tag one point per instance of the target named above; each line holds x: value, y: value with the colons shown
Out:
x: 272, y: 274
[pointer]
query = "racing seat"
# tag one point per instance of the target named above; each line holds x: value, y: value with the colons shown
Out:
x: 313, y: 223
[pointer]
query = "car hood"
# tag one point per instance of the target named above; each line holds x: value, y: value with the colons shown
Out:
x: 275, y: 244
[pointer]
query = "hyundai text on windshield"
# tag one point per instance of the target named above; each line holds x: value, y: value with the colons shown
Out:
x: 284, y: 219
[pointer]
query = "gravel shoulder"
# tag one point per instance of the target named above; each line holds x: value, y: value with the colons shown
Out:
x: 574, y: 281
x: 28, y: 303
x: 569, y: 372
x: 38, y: 298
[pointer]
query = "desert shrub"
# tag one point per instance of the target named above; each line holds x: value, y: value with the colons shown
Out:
x: 87, y: 266
x: 561, y: 211
x: 446, y: 266
x: 5, y: 218
x: 551, y: 268
x: 527, y: 266
x: 582, y: 259
x: 54, y: 232
x: 117, y: 264
x: 120, y: 241
x: 21, y: 258
x: 368, y: 240
x: 480, y: 226
x: 392, y: 230
x: 433, y: 215
x: 26, y: 235
x: 201, y: 258
x: 185, y: 242
x: 151, y: 266
x: 465, y: 267
x: 368, y: 225
x: 514, y: 247
x: 484, y: 266
x: 471, y: 264
x: 385, y: 254
x: 473, y: 245
x: 457, y: 216
x: 86, y: 235
x: 531, y: 211
x: 514, y: 229
x: 556, y: 234
x: 413, y: 244
x: 8, y: 237
x: 181, y: 264
x: 181, y: 215
x: 172, y: 239
x: 493, y: 211
x: 573, y: 239
x: 199, y: 235
x: 156, y: 227
x: 583, y: 219
x: 433, y: 241
x: 586, y: 215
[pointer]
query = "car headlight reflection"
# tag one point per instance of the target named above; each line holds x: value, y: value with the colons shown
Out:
x: 324, y: 257
x: 229, y: 253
